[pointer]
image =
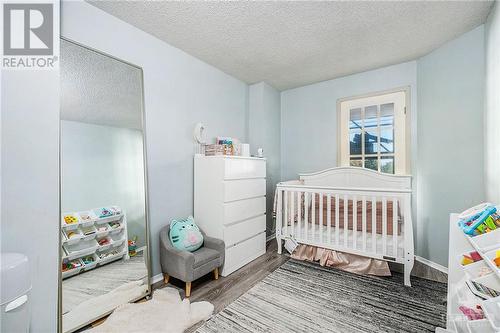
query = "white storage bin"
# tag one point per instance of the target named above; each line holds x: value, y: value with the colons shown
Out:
x: 88, y: 232
x: 489, y: 281
x: 109, y: 256
x: 488, y: 241
x: 491, y: 309
x: 72, y: 236
x: 86, y: 217
x: 115, y: 227
x: 103, y: 247
x: 102, y: 230
x: 80, y: 249
x: 476, y: 269
x: 69, y: 226
x: 89, y: 266
x: 461, y: 325
x: 490, y: 256
x: 73, y: 271
x: 480, y: 326
x: 118, y: 238
x: 108, y: 219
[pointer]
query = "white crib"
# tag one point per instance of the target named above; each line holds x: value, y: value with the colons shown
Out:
x: 376, y: 207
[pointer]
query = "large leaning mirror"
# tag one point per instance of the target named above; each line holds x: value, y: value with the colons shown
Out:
x: 104, y: 226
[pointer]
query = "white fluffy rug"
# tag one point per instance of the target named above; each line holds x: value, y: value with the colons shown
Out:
x: 164, y: 313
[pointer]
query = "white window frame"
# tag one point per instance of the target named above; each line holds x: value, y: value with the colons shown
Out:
x: 401, y: 99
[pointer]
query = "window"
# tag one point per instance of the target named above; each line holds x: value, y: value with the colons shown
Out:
x: 373, y: 133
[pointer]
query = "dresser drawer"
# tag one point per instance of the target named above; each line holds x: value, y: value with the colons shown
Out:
x: 241, y: 254
x: 244, y: 209
x: 240, y: 231
x: 243, y: 189
x: 236, y: 168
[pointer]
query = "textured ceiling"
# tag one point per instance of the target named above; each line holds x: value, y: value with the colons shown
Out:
x: 289, y: 44
x: 98, y: 89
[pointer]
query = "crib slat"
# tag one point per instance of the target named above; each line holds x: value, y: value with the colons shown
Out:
x: 320, y: 224
x: 292, y: 212
x: 395, y: 227
x: 299, y: 213
x: 313, y: 213
x: 279, y: 218
x: 364, y: 223
x: 285, y: 213
x: 384, y: 226
x: 374, y: 225
x: 329, y: 217
x: 346, y: 225
x: 354, y: 222
x: 337, y: 219
x: 306, y: 213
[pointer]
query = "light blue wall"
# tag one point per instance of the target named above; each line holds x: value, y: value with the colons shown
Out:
x: 446, y: 149
x: 492, y: 106
x: 309, y: 115
x: 180, y: 91
x: 264, y: 132
x: 30, y: 183
x: 103, y: 166
x: 450, y: 138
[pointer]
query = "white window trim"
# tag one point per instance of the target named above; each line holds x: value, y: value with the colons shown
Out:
x: 342, y: 136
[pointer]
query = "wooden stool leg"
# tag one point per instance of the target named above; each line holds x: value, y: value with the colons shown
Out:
x: 165, y: 278
x: 216, y: 273
x: 188, y: 289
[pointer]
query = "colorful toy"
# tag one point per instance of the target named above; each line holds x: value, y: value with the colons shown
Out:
x: 70, y: 219
x: 68, y: 265
x: 473, y: 221
x: 85, y: 216
x: 497, y: 258
x: 472, y: 314
x: 102, y: 228
x: 115, y: 225
x: 115, y: 210
x: 185, y: 235
x: 470, y: 258
x: 132, y: 247
x: 103, y: 241
x: 71, y: 234
x: 103, y: 212
x: 88, y: 260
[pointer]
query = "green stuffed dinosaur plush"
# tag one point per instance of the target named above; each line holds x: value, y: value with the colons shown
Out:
x: 185, y: 235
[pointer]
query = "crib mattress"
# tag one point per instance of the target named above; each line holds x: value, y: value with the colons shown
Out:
x: 314, y: 237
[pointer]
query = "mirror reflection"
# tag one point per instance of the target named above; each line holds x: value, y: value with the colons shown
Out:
x: 103, y: 203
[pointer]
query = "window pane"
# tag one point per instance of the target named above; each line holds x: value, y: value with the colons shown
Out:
x: 387, y: 164
x: 386, y: 114
x: 355, y: 142
x: 356, y: 162
x: 371, y: 116
x: 355, y: 118
x: 371, y: 141
x: 386, y: 140
x: 371, y: 163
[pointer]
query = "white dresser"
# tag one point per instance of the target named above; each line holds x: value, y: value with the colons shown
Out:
x: 230, y: 204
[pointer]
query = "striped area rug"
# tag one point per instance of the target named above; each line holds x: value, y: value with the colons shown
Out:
x: 304, y: 297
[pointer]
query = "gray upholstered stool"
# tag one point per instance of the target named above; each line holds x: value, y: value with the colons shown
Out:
x: 189, y: 266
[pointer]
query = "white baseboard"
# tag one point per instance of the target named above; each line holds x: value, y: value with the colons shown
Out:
x: 432, y: 264
x: 157, y: 278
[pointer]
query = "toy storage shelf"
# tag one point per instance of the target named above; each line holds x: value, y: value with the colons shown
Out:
x: 461, y: 280
x: 89, y: 241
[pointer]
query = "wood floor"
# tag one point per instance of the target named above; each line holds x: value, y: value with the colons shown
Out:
x: 225, y: 290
